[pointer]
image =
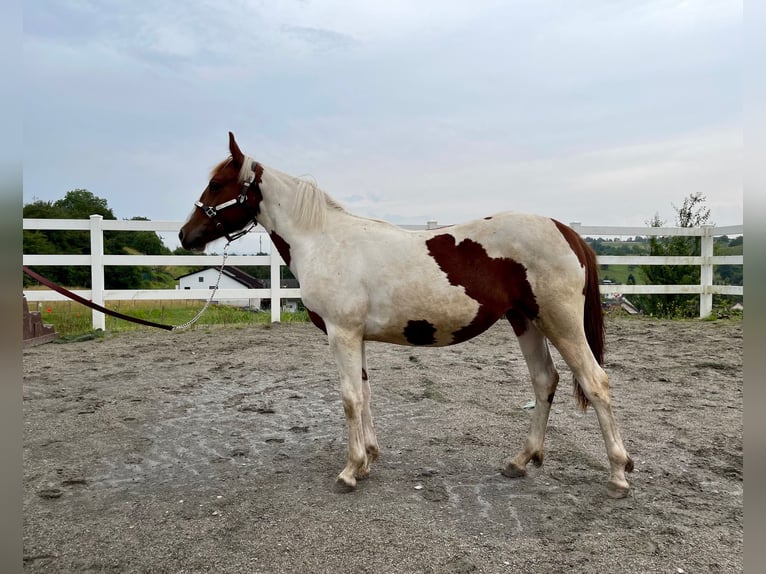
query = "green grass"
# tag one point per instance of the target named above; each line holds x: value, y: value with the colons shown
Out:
x: 73, y: 320
x: 619, y: 273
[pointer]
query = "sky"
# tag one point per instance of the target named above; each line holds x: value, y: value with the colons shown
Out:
x: 602, y: 112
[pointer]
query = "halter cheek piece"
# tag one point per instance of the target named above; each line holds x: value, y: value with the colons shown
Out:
x: 212, y: 210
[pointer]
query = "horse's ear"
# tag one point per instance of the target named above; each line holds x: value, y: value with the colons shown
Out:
x: 236, y: 153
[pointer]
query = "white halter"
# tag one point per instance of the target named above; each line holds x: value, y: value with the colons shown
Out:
x: 247, y: 176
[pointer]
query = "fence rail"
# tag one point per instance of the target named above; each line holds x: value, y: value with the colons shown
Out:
x: 97, y: 260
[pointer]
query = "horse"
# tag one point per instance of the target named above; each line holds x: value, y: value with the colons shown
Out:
x: 365, y: 279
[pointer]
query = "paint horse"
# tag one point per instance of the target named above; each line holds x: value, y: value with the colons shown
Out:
x: 367, y: 280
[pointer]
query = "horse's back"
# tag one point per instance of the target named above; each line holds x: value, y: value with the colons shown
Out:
x: 444, y: 286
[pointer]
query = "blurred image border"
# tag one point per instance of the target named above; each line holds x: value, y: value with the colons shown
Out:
x: 11, y: 411
x: 754, y: 187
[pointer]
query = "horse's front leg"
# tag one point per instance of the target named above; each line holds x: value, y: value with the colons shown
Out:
x: 370, y: 440
x: 347, y: 347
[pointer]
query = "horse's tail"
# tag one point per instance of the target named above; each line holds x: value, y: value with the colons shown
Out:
x: 593, y: 316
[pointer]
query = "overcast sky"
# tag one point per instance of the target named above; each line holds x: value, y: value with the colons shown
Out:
x: 603, y: 112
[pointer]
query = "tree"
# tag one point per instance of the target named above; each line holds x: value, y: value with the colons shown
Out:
x: 728, y: 274
x: 57, y: 241
x: 81, y: 204
x: 145, y: 242
x: 692, y: 213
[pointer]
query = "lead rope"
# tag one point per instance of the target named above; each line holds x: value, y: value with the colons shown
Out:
x: 212, y: 295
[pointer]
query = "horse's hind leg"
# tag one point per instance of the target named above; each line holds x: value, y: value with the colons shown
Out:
x: 545, y: 378
x: 569, y: 339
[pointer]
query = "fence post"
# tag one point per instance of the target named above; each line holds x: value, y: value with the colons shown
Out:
x: 276, y: 285
x: 706, y: 271
x: 97, y: 269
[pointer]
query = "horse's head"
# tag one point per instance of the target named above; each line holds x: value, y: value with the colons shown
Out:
x: 228, y: 205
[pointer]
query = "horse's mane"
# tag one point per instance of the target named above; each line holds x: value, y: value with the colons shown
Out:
x: 310, y: 207
x: 309, y: 210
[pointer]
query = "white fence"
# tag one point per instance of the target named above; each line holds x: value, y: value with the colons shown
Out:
x: 706, y: 260
x: 97, y: 260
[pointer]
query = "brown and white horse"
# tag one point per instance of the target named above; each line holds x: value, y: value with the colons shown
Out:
x: 367, y: 280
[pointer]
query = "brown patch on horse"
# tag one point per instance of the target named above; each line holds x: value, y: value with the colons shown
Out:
x: 317, y: 320
x: 593, y: 319
x: 420, y: 333
x: 224, y: 182
x: 226, y: 173
x: 282, y: 246
x: 223, y: 185
x: 518, y: 322
x: 497, y: 284
x: 364, y: 374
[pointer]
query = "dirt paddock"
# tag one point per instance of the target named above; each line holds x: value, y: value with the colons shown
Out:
x: 216, y: 450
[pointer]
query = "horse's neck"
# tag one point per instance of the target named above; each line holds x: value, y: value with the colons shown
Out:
x: 277, y: 199
x: 295, y: 213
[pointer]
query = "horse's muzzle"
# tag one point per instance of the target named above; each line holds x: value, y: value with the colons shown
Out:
x: 191, y: 241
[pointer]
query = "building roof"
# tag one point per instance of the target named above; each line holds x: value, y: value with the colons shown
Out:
x: 235, y: 273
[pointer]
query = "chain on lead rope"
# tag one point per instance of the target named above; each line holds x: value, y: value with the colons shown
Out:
x: 212, y: 295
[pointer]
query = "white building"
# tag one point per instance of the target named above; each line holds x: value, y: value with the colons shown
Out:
x: 232, y: 278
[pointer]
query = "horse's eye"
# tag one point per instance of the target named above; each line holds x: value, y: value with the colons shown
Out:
x: 215, y: 186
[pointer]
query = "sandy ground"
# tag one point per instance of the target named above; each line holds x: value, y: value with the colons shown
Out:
x: 216, y: 450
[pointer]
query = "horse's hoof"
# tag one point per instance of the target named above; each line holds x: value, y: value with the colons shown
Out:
x: 363, y: 473
x: 341, y: 487
x: 344, y: 485
x: 373, y: 452
x: 617, y: 490
x: 511, y: 470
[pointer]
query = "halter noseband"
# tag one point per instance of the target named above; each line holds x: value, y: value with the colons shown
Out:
x: 212, y: 210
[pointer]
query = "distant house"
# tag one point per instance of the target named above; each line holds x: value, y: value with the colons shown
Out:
x: 617, y: 301
x: 288, y: 305
x: 232, y: 278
